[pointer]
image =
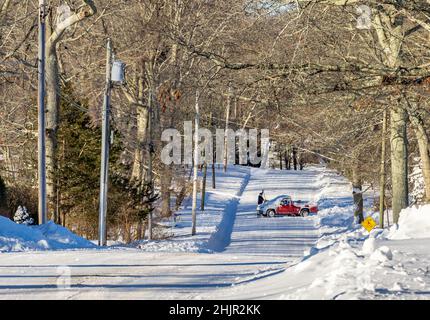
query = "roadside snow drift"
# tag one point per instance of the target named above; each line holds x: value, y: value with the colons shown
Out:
x: 50, y: 236
x: 214, y: 225
x: 414, y: 223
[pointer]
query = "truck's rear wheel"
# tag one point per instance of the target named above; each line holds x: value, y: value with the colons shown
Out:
x: 304, y: 213
x: 270, y: 213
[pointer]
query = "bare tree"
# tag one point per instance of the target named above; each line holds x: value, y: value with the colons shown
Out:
x: 53, y: 95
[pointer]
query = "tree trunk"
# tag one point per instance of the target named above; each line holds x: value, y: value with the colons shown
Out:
x: 144, y: 227
x: 63, y: 218
x: 139, y: 230
x: 181, y: 194
x: 287, y: 159
x: 126, y: 232
x: 52, y: 111
x: 399, y: 161
x: 280, y: 157
x: 86, y: 10
x: 211, y: 124
x: 382, y: 171
x: 227, y: 119
x: 390, y: 35
x: 142, y: 123
x: 423, y: 146
x: 213, y: 176
x: 149, y: 177
x: 295, y: 158
x: 202, y: 204
x: 357, y: 193
x: 235, y: 107
x: 165, y: 181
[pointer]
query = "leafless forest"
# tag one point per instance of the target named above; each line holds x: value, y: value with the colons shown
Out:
x: 346, y: 82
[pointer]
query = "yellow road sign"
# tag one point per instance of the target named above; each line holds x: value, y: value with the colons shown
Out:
x: 369, y: 223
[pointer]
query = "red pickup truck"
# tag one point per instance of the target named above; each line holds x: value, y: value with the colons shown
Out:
x: 284, y: 205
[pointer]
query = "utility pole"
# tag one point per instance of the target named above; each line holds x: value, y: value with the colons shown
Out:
x: 382, y: 171
x: 149, y: 171
x: 213, y: 156
x: 195, y: 165
x: 41, y: 144
x: 105, y: 148
x: 227, y: 117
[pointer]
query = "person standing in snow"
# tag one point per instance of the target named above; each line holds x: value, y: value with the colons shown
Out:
x: 261, y: 197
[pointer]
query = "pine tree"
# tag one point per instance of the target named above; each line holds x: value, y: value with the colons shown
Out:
x: 79, y: 173
x: 22, y: 216
x: 79, y: 165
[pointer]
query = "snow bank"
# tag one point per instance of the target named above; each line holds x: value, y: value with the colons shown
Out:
x: 341, y: 271
x: 50, y: 236
x: 331, y: 186
x: 214, y: 226
x: 414, y: 223
x: 347, y: 262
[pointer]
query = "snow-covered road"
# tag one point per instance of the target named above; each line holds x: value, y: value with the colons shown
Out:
x: 235, y: 254
x: 245, y: 248
x: 280, y: 236
x: 126, y: 274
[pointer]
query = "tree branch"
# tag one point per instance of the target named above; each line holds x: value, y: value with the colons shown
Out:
x: 86, y: 10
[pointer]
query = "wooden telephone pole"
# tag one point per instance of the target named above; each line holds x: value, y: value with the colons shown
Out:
x: 382, y: 172
x: 104, y: 168
x: 195, y: 165
x: 41, y: 139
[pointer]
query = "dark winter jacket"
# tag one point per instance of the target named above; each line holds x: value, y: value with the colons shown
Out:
x: 260, y: 199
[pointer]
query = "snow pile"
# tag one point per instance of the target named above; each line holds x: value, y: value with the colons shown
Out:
x: 414, y: 223
x: 342, y: 271
x: 336, y: 207
x: 213, y: 225
x: 348, y: 268
x: 347, y: 262
x: 337, y: 216
x: 19, y: 237
x: 329, y: 182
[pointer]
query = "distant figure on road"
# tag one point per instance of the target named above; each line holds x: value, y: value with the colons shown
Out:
x: 261, y: 197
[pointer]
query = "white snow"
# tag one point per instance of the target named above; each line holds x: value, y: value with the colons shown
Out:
x: 414, y: 223
x: 213, y: 225
x: 235, y: 254
x: 20, y: 237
